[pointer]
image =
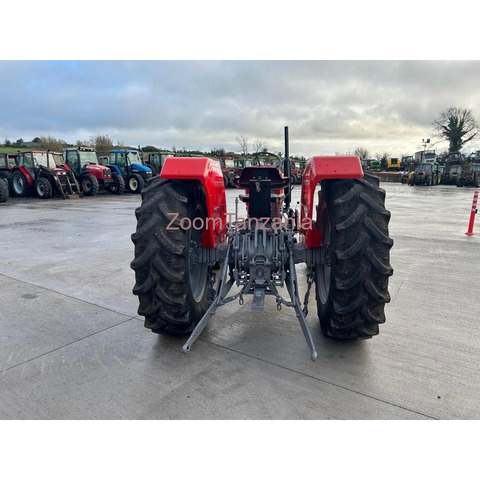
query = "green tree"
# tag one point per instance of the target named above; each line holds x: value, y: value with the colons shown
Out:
x: 51, y: 143
x: 457, y: 126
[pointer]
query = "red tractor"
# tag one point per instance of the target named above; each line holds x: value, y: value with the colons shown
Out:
x: 91, y: 176
x: 227, y: 164
x: 184, y: 230
x: 41, y: 172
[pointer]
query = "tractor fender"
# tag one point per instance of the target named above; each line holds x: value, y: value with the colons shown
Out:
x: 316, y: 170
x: 209, y: 174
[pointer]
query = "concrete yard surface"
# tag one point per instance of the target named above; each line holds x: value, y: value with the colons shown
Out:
x: 72, y: 345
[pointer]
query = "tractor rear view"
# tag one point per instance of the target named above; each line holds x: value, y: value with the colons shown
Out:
x: 341, y: 234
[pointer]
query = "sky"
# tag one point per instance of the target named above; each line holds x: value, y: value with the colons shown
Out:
x: 329, y: 106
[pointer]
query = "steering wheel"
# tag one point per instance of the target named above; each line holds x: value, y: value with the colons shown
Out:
x: 276, y: 161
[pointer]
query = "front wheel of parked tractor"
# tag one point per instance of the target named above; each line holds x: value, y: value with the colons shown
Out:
x: 352, y: 279
x: 117, y: 187
x: 42, y: 187
x: 135, y: 183
x: 459, y: 182
x: 89, y: 185
x: 20, y: 186
x: 172, y: 283
x: 3, y: 190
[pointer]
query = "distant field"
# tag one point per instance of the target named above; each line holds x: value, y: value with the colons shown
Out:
x: 13, y: 149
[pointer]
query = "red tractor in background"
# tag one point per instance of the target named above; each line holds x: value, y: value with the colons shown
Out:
x: 41, y: 172
x: 229, y: 170
x: 184, y: 230
x: 91, y: 176
x: 298, y: 166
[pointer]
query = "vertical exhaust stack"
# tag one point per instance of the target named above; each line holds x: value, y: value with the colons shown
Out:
x: 287, y: 172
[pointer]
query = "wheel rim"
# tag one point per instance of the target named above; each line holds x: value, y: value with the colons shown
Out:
x: 197, y: 271
x: 40, y: 189
x: 18, y: 185
x: 86, y: 185
x: 133, y: 184
x: 324, y: 269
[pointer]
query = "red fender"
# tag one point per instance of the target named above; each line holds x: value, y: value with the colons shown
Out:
x: 317, y: 169
x: 209, y: 174
x: 26, y: 175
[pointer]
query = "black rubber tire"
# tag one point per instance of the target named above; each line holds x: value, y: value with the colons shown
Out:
x: 88, y: 185
x: 135, y: 183
x: 352, y: 292
x: 459, y: 182
x: 42, y: 188
x: 173, y: 295
x: 20, y: 185
x: 5, y: 174
x: 117, y: 187
x: 225, y: 181
x: 3, y: 190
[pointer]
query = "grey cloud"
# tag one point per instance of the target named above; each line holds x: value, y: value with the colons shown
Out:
x: 197, y: 104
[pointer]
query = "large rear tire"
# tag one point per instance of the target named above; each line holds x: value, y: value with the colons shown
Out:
x: 352, y: 281
x: 172, y: 286
x: 3, y: 190
x: 20, y: 185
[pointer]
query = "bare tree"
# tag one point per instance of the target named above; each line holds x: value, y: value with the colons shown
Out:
x: 456, y: 125
x: 258, y: 146
x: 361, y: 152
x: 243, y: 144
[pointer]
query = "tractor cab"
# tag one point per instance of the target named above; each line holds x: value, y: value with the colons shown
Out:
x: 80, y: 159
x: 155, y: 161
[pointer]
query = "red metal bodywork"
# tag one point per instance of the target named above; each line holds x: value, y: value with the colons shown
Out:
x: 209, y: 174
x: 317, y: 169
x: 27, y: 175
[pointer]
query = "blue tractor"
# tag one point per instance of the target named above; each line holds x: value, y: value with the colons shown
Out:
x: 128, y: 164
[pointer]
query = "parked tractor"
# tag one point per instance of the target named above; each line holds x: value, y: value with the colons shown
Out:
x: 425, y: 174
x: 92, y: 176
x: 451, y: 173
x: 184, y: 230
x: 155, y: 161
x: 229, y: 171
x: 40, y: 172
x: 470, y: 176
x: 375, y: 165
x: 128, y: 164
